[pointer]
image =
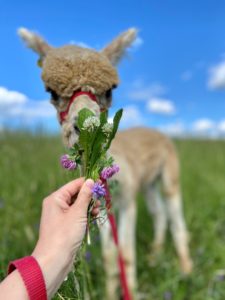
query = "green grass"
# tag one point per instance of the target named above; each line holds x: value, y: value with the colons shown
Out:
x: 29, y: 170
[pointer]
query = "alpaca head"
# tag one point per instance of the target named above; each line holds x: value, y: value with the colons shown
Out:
x: 69, y: 69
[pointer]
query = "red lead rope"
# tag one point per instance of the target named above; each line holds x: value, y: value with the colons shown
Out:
x: 121, y: 263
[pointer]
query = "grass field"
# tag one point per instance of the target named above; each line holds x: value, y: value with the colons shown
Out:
x: 29, y: 170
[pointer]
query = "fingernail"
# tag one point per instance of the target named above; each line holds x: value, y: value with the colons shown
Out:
x: 89, y: 182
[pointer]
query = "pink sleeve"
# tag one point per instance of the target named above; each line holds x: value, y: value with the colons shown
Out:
x: 32, y: 276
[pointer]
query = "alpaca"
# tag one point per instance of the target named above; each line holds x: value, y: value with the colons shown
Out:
x: 145, y: 156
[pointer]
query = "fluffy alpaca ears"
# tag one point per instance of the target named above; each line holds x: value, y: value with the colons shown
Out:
x: 117, y: 48
x: 35, y: 42
x: 114, y: 51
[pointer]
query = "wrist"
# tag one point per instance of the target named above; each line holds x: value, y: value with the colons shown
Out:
x: 55, y: 267
x: 32, y: 276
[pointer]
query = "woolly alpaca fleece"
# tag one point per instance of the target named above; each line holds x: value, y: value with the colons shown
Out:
x: 70, y: 68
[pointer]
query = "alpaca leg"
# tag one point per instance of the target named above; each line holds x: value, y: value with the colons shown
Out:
x: 179, y: 231
x: 109, y: 253
x: 127, y: 224
x: 157, y: 208
x: 171, y: 188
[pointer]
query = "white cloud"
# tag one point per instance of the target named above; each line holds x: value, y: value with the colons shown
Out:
x: 131, y: 117
x: 137, y: 43
x: 221, y: 126
x: 176, y: 129
x: 186, y: 76
x: 79, y: 44
x: 15, y: 106
x: 35, y: 109
x: 203, y: 125
x: 217, y: 76
x: 110, y: 120
x: 8, y: 98
x: 151, y: 95
x: 161, y: 106
x: 201, y: 128
x: 142, y: 92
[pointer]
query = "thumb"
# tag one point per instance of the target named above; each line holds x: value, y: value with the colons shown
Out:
x: 84, y: 196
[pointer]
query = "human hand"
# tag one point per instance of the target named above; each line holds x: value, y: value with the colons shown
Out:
x: 62, y: 229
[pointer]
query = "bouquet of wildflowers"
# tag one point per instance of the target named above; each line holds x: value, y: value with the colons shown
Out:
x: 89, y: 154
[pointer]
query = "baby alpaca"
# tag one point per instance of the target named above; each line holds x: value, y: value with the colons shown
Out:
x: 145, y: 156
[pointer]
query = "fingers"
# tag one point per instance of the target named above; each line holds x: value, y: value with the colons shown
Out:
x: 73, y: 187
x: 95, y: 211
x: 62, y: 198
x: 84, y: 196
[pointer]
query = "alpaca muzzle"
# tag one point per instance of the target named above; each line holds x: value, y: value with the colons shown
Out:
x: 63, y: 114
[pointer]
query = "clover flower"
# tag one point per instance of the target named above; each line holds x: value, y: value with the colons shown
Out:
x: 67, y: 163
x: 107, y: 128
x: 98, y: 190
x: 108, y: 172
x: 91, y: 123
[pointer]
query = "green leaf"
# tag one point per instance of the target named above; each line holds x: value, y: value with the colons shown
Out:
x: 97, y: 149
x: 98, y: 141
x: 74, y: 150
x: 93, y: 145
x: 95, y: 174
x: 82, y: 116
x: 103, y: 118
x: 116, y: 121
x: 85, y: 138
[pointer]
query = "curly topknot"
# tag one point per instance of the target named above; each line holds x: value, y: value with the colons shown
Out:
x: 69, y: 68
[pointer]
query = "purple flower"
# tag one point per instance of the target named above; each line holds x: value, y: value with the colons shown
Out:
x: 167, y: 295
x: 88, y: 256
x: 67, y: 163
x: 108, y: 172
x: 98, y: 190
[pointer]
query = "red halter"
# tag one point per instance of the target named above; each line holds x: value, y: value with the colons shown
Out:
x: 63, y: 114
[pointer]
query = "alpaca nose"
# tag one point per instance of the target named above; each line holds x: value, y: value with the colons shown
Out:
x: 77, y: 130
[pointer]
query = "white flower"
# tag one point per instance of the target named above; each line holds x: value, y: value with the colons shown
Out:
x: 91, y: 123
x: 107, y: 128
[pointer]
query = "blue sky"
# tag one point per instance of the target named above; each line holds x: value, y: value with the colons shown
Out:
x: 173, y: 78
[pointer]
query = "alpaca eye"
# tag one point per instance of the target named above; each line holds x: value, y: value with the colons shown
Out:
x: 108, y: 94
x: 54, y: 95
